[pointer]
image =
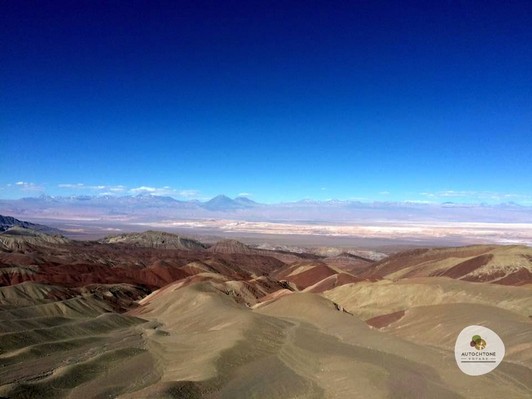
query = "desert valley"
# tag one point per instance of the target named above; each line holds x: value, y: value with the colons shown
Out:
x: 154, y: 314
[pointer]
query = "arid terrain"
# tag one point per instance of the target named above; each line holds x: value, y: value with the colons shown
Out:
x: 265, y: 199
x: 157, y: 315
x: 368, y: 224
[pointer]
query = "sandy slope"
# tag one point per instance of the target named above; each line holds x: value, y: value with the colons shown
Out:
x: 433, y: 311
x: 297, y: 346
x: 370, y: 299
x: 188, y: 341
x: 501, y: 264
x: 75, y: 347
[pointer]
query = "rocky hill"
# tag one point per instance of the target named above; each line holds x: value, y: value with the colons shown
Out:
x: 501, y: 264
x: 7, y: 222
x: 155, y: 239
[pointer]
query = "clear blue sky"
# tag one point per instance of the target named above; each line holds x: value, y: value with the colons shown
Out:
x: 284, y: 100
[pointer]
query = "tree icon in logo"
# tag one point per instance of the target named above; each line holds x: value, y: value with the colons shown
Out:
x: 478, y: 342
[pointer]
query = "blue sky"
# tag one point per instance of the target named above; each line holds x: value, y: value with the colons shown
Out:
x: 427, y: 101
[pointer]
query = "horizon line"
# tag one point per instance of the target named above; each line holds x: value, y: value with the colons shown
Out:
x: 302, y: 200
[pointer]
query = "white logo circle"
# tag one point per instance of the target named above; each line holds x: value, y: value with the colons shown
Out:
x: 478, y: 350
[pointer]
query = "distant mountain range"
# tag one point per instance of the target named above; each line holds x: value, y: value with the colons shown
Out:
x: 218, y: 203
x: 152, y: 207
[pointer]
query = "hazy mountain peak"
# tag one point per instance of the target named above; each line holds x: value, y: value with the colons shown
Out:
x: 223, y: 203
x: 220, y: 197
x: 245, y: 200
